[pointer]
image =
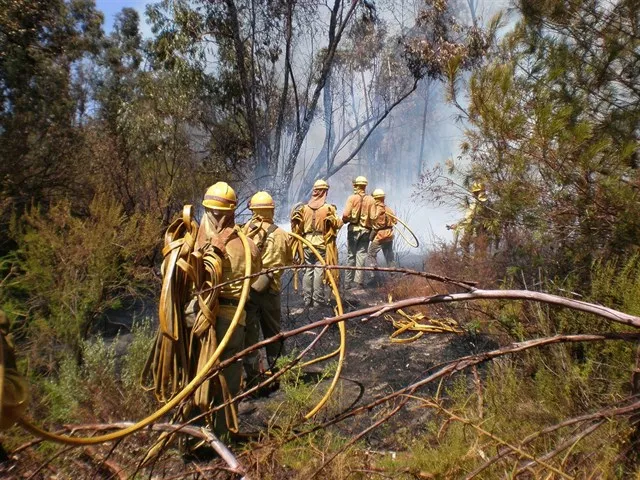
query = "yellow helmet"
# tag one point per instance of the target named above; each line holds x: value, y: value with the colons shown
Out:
x: 321, y: 185
x: 378, y: 193
x: 360, y: 181
x: 477, y: 187
x: 261, y: 200
x: 220, y: 196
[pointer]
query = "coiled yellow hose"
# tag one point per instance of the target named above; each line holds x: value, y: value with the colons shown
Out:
x: 417, y: 243
x: 186, y: 391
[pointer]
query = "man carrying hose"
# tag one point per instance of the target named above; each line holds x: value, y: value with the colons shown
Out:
x: 217, y: 231
x: 382, y: 221
x: 357, y: 213
x: 263, y: 307
x: 317, y: 221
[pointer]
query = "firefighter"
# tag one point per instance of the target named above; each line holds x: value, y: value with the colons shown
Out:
x: 467, y: 226
x: 318, y: 222
x: 357, y: 213
x: 382, y: 222
x: 15, y: 393
x: 263, y: 308
x: 217, y: 230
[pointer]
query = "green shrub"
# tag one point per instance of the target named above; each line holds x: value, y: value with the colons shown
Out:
x: 142, y: 339
x: 63, y: 394
x: 104, y: 387
x: 72, y: 269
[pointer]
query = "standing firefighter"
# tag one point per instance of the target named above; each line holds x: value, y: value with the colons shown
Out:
x: 317, y: 222
x: 357, y: 213
x: 468, y: 225
x: 218, y: 232
x: 194, y: 316
x: 263, y: 308
x: 382, y: 221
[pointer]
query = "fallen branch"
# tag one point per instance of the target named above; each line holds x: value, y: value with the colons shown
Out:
x: 605, y: 413
x: 564, y: 445
x: 359, y: 436
x: 482, y: 431
x: 460, y: 364
x: 115, y: 469
x: 201, y: 433
x: 465, y: 284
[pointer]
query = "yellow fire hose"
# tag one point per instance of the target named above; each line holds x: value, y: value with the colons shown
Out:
x: 168, y: 364
x: 297, y: 253
x: 417, y: 243
x: 180, y: 396
x: 343, y: 332
x: 413, y: 323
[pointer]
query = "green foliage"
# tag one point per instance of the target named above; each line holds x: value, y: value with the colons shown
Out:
x: 143, y: 337
x: 62, y: 395
x: 104, y: 386
x: 42, y: 46
x: 66, y: 394
x: 552, y: 135
x: 72, y: 269
x: 301, y: 393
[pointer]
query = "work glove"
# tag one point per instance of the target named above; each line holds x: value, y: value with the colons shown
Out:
x: 262, y: 283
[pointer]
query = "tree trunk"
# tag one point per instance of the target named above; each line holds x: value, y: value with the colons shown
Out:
x: 313, y: 173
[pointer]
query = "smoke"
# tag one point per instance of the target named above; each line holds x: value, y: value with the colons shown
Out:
x: 420, y: 133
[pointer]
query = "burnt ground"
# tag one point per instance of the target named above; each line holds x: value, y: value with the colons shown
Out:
x: 374, y: 367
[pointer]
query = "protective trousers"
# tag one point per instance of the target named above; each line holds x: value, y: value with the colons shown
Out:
x: 372, y: 254
x: 263, y: 313
x: 232, y: 373
x: 357, y: 245
x: 312, y: 282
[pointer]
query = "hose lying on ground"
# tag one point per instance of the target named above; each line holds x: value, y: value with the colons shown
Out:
x: 343, y: 331
x: 412, y: 323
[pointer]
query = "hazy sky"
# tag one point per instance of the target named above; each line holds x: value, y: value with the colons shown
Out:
x: 111, y: 7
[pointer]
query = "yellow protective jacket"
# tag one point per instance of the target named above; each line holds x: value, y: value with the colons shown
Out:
x: 274, y: 245
x: 466, y: 224
x: 359, y: 210
x: 232, y: 259
x: 316, y: 223
x: 383, y: 223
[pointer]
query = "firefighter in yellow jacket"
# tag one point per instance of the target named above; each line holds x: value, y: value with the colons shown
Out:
x: 357, y: 213
x: 217, y: 230
x: 318, y: 222
x: 263, y: 308
x: 466, y: 230
x: 382, y: 222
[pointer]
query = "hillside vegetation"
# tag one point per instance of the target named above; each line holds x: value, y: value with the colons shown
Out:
x: 105, y: 135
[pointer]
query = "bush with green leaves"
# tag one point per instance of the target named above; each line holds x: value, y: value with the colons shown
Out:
x: 104, y: 386
x: 71, y: 269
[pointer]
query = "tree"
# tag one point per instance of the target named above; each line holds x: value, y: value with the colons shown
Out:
x: 368, y: 81
x: 42, y: 45
x: 145, y: 140
x: 553, y: 132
